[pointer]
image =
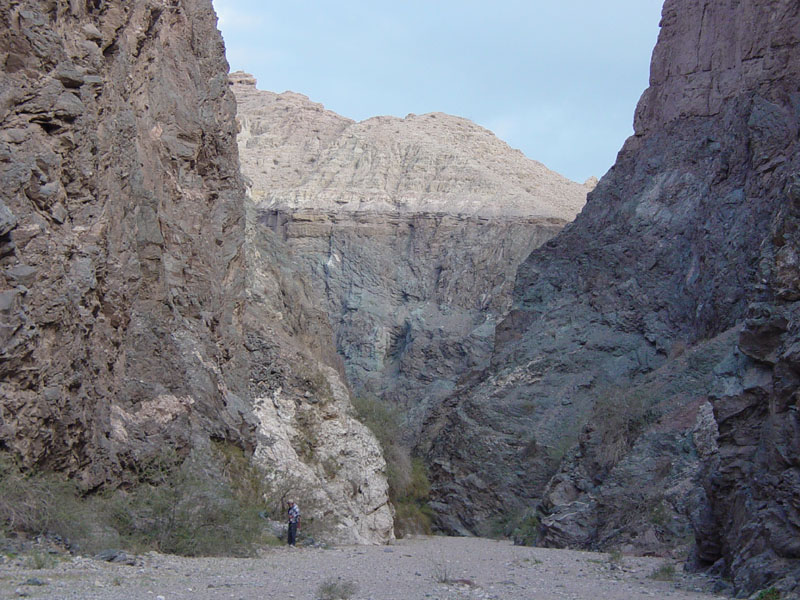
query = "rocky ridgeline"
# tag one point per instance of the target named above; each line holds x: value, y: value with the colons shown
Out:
x: 411, y: 230
x: 642, y: 391
x: 141, y: 307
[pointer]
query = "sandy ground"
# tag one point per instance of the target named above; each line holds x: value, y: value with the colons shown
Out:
x: 430, y: 568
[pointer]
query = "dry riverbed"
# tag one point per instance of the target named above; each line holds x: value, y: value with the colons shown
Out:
x: 427, y: 568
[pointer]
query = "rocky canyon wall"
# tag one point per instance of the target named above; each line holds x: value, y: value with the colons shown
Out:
x: 141, y: 308
x: 411, y: 230
x: 657, y: 331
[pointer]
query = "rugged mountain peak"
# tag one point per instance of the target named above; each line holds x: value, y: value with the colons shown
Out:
x: 411, y: 230
x: 433, y: 163
x: 709, y: 52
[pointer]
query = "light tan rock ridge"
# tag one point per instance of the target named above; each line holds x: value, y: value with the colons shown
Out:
x: 298, y: 155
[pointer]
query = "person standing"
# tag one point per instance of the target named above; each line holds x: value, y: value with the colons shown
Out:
x: 294, y: 521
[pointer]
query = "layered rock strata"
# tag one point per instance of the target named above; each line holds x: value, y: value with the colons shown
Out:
x: 658, y: 330
x: 135, y: 314
x: 411, y: 229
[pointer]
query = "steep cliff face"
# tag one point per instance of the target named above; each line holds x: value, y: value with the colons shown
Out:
x: 657, y: 329
x: 411, y: 229
x: 135, y: 316
x: 120, y: 318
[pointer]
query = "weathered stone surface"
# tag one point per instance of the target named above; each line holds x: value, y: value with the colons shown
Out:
x: 298, y: 155
x: 695, y: 223
x: 307, y: 439
x: 132, y: 308
x: 411, y: 230
x: 631, y: 477
x: 109, y: 269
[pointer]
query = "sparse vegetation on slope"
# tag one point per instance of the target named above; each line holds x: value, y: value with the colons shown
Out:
x: 409, y: 487
x: 206, y: 504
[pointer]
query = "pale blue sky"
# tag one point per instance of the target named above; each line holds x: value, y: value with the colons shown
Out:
x: 558, y: 80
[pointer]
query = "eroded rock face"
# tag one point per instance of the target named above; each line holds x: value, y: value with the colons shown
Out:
x: 122, y: 279
x: 411, y: 229
x: 134, y: 315
x: 689, y: 239
x: 307, y: 438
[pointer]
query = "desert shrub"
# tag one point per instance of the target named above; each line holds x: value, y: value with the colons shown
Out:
x: 504, y: 524
x: 769, y: 594
x: 206, y: 504
x: 412, y: 513
x: 615, y: 557
x: 419, y: 487
x: 412, y: 518
x: 665, y: 572
x: 38, y: 503
x: 40, y: 560
x: 442, y: 574
x: 526, y: 533
x: 382, y: 419
x: 618, y: 417
x: 336, y: 589
x: 248, y: 483
x: 409, y: 487
x: 659, y: 513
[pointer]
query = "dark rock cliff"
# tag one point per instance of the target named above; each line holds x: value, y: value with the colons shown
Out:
x: 657, y: 331
x: 135, y: 313
x: 413, y: 299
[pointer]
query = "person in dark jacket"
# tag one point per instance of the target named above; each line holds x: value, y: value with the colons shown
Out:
x: 294, y: 521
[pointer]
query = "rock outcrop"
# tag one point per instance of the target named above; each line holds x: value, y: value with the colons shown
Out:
x: 658, y: 330
x: 411, y: 229
x: 134, y: 314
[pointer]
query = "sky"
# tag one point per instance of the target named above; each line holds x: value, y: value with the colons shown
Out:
x: 557, y: 80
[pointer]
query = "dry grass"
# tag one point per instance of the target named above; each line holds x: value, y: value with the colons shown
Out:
x: 336, y: 589
x: 205, y: 505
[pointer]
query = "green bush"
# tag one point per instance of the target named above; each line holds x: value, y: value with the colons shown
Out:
x: 409, y: 487
x: 40, y: 560
x: 526, y: 532
x: 207, y: 504
x: 382, y: 419
x: 665, y: 572
x: 412, y: 518
x: 615, y: 557
x: 769, y: 594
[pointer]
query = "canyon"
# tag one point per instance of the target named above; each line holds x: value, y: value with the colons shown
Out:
x: 656, y: 332
x: 411, y: 231
x: 627, y: 380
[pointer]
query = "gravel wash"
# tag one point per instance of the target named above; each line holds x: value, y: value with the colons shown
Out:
x: 424, y: 568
